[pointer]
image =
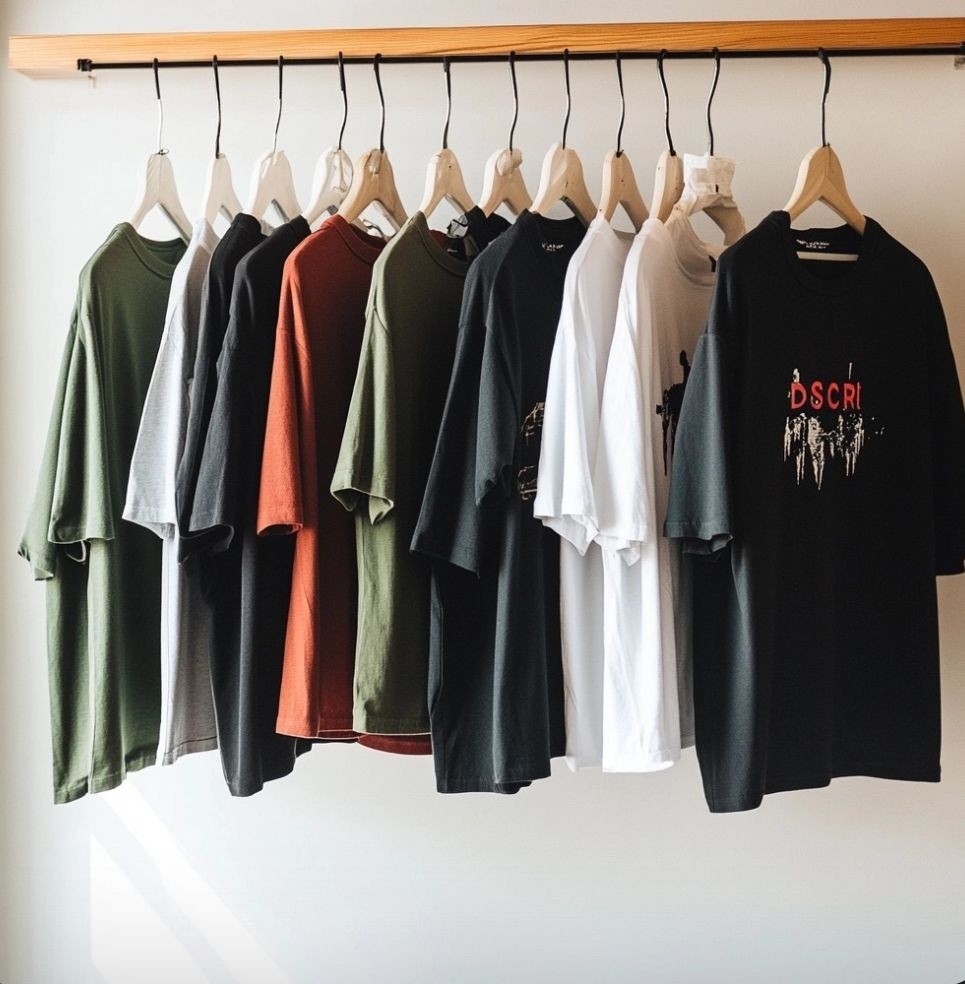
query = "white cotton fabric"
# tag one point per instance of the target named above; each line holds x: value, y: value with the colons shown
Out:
x: 647, y: 690
x: 187, y: 711
x: 564, y: 497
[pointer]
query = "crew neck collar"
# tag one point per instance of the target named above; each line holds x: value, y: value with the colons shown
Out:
x: 617, y: 242
x: 781, y: 221
x: 154, y: 253
x: 365, y: 246
x: 453, y: 264
x: 565, y: 234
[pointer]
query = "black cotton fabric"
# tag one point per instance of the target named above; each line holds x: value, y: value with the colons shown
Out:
x: 820, y: 461
x: 495, y: 688
x: 247, y: 578
x: 241, y: 236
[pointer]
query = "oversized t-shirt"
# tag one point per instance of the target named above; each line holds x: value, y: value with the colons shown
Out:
x: 390, y: 434
x: 103, y: 576
x: 187, y: 712
x: 249, y: 577
x: 564, y: 499
x: 321, y: 320
x: 496, y: 690
x: 820, y: 455
x: 240, y: 237
x: 663, y: 307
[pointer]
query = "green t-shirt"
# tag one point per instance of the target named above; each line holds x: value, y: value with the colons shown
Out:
x: 412, y: 320
x: 102, y: 574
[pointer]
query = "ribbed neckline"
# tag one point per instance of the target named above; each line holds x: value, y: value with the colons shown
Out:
x: 857, y: 269
x: 153, y: 253
x: 538, y: 229
x: 363, y: 245
x: 453, y: 264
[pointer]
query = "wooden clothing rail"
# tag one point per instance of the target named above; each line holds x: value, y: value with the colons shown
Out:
x: 60, y: 55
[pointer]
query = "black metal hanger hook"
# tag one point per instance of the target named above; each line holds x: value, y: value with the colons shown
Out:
x: 217, y: 93
x: 566, y: 75
x: 666, y: 101
x: 160, y: 110
x: 281, y: 80
x: 823, y: 55
x: 378, y: 83
x: 445, y: 130
x: 512, y: 74
x: 710, y: 100
x: 341, y: 83
x: 623, y: 106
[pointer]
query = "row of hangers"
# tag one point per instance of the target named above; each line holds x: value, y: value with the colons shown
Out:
x: 351, y: 191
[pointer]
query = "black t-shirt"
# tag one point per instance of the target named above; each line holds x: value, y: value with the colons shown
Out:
x: 240, y: 237
x: 820, y: 455
x: 496, y: 693
x: 247, y: 578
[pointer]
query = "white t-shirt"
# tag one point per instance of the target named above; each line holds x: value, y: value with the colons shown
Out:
x: 664, y: 299
x: 187, y: 711
x: 564, y: 496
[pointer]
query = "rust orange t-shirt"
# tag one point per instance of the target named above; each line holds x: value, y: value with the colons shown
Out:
x: 321, y: 320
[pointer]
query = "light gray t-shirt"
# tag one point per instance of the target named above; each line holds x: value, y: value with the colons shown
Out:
x: 187, y: 714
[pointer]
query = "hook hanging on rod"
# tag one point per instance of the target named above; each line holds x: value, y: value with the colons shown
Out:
x: 217, y: 93
x: 710, y: 101
x: 666, y: 101
x: 378, y: 83
x: 566, y: 74
x: 623, y: 107
x: 822, y: 54
x: 445, y: 131
x: 281, y: 79
x: 668, y: 182
x: 160, y: 110
x: 220, y: 197
x: 512, y: 73
x: 341, y: 84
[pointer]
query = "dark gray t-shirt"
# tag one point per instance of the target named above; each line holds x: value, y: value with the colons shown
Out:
x: 496, y: 693
x: 820, y: 461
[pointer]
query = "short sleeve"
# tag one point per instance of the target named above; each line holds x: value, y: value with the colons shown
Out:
x: 947, y: 419
x: 280, y: 500
x: 700, y: 509
x: 451, y: 527
x: 365, y: 474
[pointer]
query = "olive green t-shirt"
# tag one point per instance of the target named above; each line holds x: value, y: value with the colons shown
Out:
x: 412, y: 320
x: 102, y: 574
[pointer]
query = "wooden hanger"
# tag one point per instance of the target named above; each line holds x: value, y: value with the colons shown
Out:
x: 619, y: 183
x: 444, y: 180
x: 821, y: 177
x: 561, y: 179
x: 373, y: 182
x: 158, y: 187
x: 668, y: 184
x: 271, y: 180
x: 330, y: 184
x: 503, y: 181
x: 219, y: 191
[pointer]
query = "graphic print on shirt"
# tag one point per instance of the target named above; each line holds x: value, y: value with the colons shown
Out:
x: 669, y: 410
x: 817, y: 437
x: 530, y: 432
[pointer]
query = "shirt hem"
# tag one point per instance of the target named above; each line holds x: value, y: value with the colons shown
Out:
x: 188, y: 747
x: 100, y: 782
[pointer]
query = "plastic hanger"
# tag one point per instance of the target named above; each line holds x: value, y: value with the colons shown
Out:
x: 444, y: 180
x: 503, y: 179
x: 821, y: 178
x: 333, y: 172
x: 707, y: 180
x: 561, y: 179
x: 219, y: 191
x: 619, y: 183
x: 373, y: 182
x: 271, y: 181
x: 159, y: 189
x: 668, y: 184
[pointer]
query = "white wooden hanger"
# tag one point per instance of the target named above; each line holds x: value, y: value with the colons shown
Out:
x: 668, y: 184
x: 503, y: 181
x: 619, y: 183
x: 561, y: 179
x: 271, y: 180
x: 219, y: 190
x: 158, y: 187
x: 821, y: 178
x: 333, y: 172
x: 707, y: 181
x: 373, y: 182
x: 444, y: 180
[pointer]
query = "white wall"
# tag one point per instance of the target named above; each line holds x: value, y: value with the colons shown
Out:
x: 354, y: 869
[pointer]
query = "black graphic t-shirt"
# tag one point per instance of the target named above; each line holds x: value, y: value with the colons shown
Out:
x: 495, y: 687
x: 820, y: 460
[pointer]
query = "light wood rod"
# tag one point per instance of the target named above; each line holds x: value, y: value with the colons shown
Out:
x: 46, y: 56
